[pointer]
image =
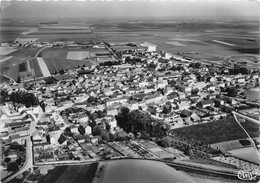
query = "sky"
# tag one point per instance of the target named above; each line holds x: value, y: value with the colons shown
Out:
x: 134, y: 8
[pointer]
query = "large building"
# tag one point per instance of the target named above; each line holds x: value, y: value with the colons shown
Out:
x: 150, y: 47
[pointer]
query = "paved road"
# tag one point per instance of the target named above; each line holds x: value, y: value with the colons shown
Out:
x: 247, y: 117
x: 29, y: 153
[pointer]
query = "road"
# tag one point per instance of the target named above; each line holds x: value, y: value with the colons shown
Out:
x: 29, y: 153
x: 111, y: 51
x: 247, y: 117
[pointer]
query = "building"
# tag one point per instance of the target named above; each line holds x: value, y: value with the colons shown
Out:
x: 150, y: 47
x: 206, y: 103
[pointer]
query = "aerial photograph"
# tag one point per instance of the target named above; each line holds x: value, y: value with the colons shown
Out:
x: 130, y: 91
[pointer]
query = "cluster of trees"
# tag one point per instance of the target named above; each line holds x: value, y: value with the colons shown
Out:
x: 3, y: 96
x: 231, y: 91
x: 133, y: 60
x: 22, y: 97
x: 238, y: 70
x: 196, y: 65
x: 109, y: 63
x: 14, y: 165
x: 139, y: 122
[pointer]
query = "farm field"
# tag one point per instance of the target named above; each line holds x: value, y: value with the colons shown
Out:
x: 218, y: 131
x: 10, y: 66
x: 248, y: 153
x: 55, y: 64
x: 24, y: 52
x: 44, y: 69
x: 197, y: 35
x: 35, y: 65
x: 197, y: 38
x: 77, y: 55
x: 7, y: 50
x: 70, y: 52
x: 71, y: 173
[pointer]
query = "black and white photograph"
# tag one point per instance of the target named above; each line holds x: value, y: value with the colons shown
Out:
x: 129, y: 91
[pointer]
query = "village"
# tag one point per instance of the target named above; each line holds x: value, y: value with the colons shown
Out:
x: 76, y: 117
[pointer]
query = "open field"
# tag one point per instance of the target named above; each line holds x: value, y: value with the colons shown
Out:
x: 6, y: 50
x: 248, y: 153
x: 25, y: 40
x: 77, y: 55
x: 24, y: 52
x: 10, y: 30
x: 44, y: 69
x: 142, y: 171
x: 72, y: 173
x: 35, y: 65
x: 2, y: 59
x: 10, y: 66
x: 218, y: 131
x: 74, y: 53
x: 55, y: 64
x: 196, y: 34
x: 175, y: 43
x: 190, y: 37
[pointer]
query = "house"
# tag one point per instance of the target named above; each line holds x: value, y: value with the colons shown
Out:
x: 54, y: 133
x: 155, y: 98
x: 16, y: 138
x: 162, y: 83
x: 88, y: 130
x: 37, y: 138
x: 182, y: 106
x: 181, y: 95
x: 193, y: 97
x: 217, y: 101
x: 82, y: 138
x: 206, y: 103
x: 184, y: 88
x: 185, y: 100
x: 199, y: 85
x: 62, y: 139
x: 121, y: 100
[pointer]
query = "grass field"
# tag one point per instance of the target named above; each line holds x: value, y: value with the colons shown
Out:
x: 72, y: 174
x: 218, y: 131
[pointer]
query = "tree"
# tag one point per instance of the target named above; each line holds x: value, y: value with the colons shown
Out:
x: 21, y: 97
x: 7, y: 160
x: 81, y: 130
x: 18, y: 79
x: 13, y: 166
x: 3, y: 96
x: 197, y: 65
x: 167, y: 108
x: 232, y: 92
x: 61, y: 71
x: 108, y: 126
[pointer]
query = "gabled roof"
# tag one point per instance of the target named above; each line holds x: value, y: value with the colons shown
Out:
x: 15, y: 136
x: 205, y: 102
